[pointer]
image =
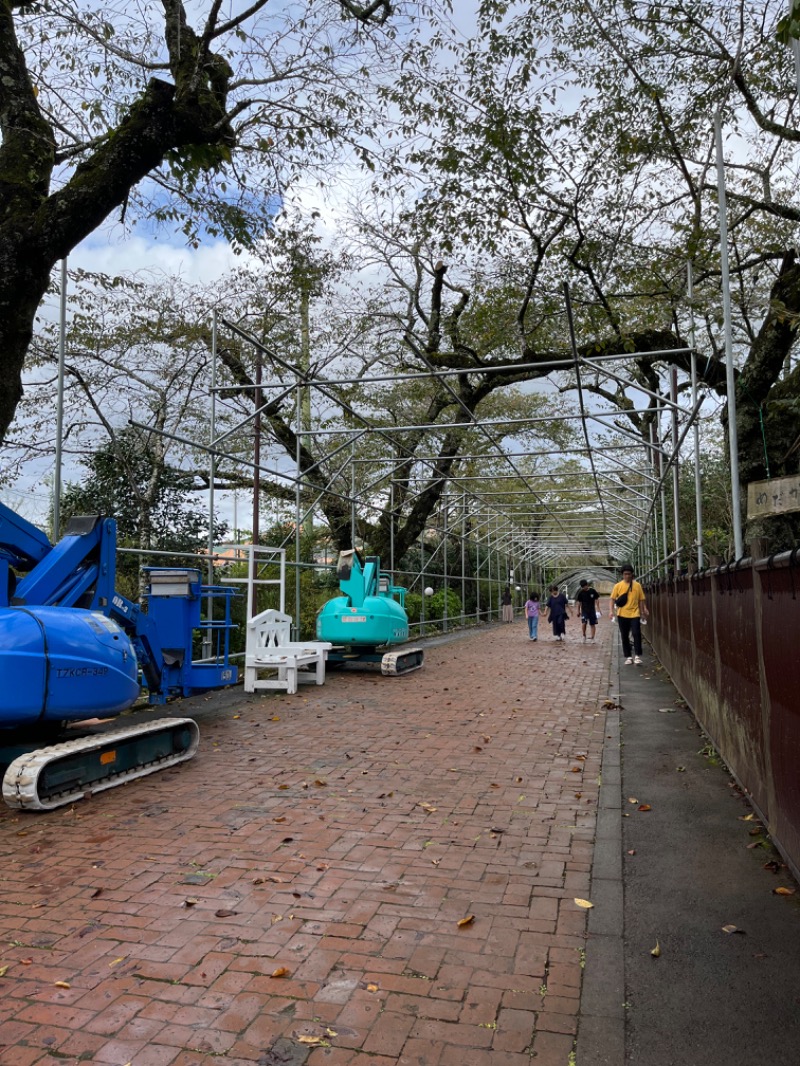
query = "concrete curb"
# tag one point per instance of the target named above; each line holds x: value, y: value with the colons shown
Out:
x: 601, y: 1027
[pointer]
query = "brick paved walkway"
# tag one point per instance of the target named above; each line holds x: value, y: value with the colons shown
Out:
x: 337, y: 837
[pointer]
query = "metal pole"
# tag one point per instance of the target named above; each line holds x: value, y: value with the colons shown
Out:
x: 298, y: 512
x: 676, y: 515
x: 445, y: 567
x: 698, y: 493
x: 653, y: 519
x: 478, y: 578
x: 352, y: 497
x: 422, y: 583
x: 489, y: 564
x: 733, y: 436
x: 62, y: 350
x: 391, y: 529
x: 655, y: 459
x: 664, y: 541
x: 498, y: 556
x: 463, y: 556
x: 256, y: 473
x: 212, y: 473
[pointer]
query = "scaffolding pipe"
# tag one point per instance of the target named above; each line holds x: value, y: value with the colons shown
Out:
x: 733, y: 435
x: 698, y: 488
x: 212, y: 473
x: 676, y: 513
x: 298, y: 507
x: 446, y: 567
x: 62, y: 353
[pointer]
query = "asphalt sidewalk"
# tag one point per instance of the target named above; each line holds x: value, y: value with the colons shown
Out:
x: 682, y: 862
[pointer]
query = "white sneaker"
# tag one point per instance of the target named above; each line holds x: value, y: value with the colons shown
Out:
x: 629, y: 661
x: 638, y: 661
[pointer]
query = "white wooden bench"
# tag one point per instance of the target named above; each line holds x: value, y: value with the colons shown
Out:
x: 269, y: 649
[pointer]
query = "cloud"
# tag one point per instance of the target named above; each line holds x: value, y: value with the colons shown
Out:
x: 105, y: 255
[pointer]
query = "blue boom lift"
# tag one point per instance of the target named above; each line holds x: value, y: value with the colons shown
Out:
x: 72, y: 649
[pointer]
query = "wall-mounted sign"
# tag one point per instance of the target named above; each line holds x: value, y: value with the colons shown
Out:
x: 778, y: 496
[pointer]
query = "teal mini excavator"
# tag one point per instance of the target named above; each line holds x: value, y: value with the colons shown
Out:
x: 369, y: 615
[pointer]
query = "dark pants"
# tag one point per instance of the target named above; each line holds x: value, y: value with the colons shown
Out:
x: 630, y: 627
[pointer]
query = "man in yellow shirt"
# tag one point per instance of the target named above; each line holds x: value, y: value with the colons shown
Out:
x: 628, y: 606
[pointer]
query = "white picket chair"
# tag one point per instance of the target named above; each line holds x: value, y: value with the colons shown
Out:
x: 270, y: 649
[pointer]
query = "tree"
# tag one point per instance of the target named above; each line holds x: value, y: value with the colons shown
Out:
x: 127, y: 479
x: 583, y: 149
x: 129, y: 357
x: 137, y: 110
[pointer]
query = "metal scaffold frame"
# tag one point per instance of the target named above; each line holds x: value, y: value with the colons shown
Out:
x: 512, y: 524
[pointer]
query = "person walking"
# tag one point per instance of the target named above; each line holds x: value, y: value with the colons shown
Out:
x: 506, y: 604
x: 586, y: 601
x: 629, y: 606
x: 557, y: 612
x: 532, y: 615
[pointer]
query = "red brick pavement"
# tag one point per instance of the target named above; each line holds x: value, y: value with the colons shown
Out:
x: 337, y: 836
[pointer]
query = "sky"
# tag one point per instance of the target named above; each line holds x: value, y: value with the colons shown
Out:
x: 111, y: 251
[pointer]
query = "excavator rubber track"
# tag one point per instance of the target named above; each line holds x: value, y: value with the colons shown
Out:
x: 65, y: 773
x: 394, y: 663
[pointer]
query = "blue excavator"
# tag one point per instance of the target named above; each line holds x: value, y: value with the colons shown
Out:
x: 369, y: 616
x: 73, y: 649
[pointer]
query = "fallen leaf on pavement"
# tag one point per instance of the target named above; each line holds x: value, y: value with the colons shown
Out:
x: 783, y: 891
x: 656, y: 951
x: 465, y: 921
x: 644, y: 807
x: 584, y: 903
x: 282, y: 971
